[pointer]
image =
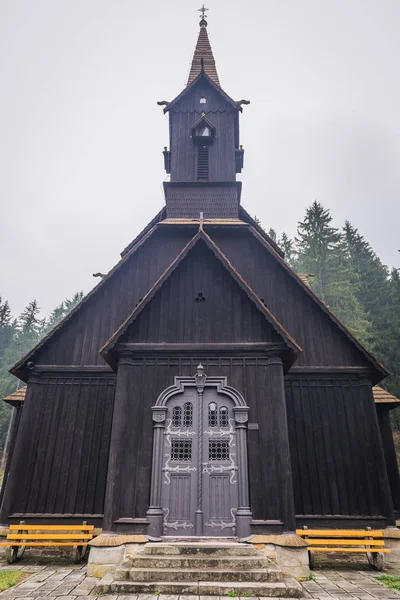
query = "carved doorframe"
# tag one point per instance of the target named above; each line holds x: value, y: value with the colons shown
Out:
x: 200, y: 381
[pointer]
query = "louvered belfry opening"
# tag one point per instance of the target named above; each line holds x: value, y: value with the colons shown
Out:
x: 202, y: 163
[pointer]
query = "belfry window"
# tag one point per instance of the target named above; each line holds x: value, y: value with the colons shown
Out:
x: 203, y: 100
x: 202, y: 163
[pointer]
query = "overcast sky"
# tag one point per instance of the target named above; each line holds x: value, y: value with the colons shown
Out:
x: 81, y: 134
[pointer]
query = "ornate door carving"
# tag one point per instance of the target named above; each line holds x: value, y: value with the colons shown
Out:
x: 180, y: 466
x: 219, y: 465
x: 199, y: 480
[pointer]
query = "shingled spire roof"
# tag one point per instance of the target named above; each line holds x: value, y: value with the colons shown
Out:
x: 203, y: 58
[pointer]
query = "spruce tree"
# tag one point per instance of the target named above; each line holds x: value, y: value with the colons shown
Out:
x: 322, y: 251
x: 286, y: 244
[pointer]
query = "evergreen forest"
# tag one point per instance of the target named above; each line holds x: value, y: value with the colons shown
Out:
x: 342, y: 269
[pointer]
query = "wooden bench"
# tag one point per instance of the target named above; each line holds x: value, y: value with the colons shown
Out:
x: 21, y: 536
x: 369, y: 541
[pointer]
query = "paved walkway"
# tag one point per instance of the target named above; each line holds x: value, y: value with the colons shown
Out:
x: 69, y: 582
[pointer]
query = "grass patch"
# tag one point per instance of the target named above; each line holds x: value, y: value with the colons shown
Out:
x: 10, y: 578
x: 390, y: 581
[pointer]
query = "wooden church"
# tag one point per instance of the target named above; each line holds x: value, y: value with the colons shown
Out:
x: 201, y: 388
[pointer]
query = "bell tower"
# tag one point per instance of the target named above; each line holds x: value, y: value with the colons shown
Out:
x: 205, y: 154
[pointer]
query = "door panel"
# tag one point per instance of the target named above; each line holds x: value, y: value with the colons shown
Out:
x: 199, y: 466
x: 219, y: 465
x: 180, y: 462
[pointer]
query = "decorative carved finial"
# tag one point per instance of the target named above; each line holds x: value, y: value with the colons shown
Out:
x: 200, y: 377
x: 201, y: 220
x: 203, y: 10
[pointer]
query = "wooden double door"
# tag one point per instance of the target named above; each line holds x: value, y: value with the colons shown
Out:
x: 199, y: 493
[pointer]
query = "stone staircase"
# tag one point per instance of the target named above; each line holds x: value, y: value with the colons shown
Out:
x: 199, y: 568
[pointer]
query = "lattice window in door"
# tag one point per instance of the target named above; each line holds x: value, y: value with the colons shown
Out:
x: 176, y: 416
x: 212, y: 415
x: 188, y: 414
x: 223, y: 417
x: 181, y: 450
x: 218, y: 450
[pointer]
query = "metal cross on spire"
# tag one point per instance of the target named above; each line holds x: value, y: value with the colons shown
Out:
x: 203, y: 11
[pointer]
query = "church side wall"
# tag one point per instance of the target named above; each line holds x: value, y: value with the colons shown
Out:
x: 337, y: 457
x: 60, y: 460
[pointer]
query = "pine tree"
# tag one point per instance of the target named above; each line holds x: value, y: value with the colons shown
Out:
x: 322, y: 251
x: 23, y: 334
x: 6, y: 327
x: 372, y: 275
x: 61, y: 311
x: 287, y: 246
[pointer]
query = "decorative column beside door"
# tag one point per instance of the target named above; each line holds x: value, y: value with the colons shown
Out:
x: 155, y: 514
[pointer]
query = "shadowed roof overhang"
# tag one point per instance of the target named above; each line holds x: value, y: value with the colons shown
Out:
x: 292, y: 348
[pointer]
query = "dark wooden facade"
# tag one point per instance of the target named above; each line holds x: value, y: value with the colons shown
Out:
x: 212, y: 289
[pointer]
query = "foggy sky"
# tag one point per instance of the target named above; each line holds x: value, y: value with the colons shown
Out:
x: 81, y: 135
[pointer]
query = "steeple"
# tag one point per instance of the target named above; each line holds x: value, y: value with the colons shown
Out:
x: 205, y: 153
x: 203, y: 58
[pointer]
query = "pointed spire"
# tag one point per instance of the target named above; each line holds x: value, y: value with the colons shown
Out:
x: 203, y: 58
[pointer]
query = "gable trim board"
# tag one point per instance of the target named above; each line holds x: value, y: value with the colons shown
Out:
x: 378, y: 366
x: 107, y: 350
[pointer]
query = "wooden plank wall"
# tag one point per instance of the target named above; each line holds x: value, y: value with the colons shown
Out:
x: 66, y: 456
x: 248, y: 374
x: 201, y: 303
x: 183, y: 150
x: 337, y: 458
x: 321, y: 340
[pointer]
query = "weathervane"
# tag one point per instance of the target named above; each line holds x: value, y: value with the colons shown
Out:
x: 203, y: 11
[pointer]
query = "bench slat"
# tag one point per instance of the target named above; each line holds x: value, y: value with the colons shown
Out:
x: 49, y: 536
x: 23, y: 527
x: 338, y: 533
x: 29, y: 544
x: 314, y: 542
x: 365, y: 550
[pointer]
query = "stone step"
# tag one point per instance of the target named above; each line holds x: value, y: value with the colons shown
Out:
x: 285, y: 589
x: 156, y: 561
x: 253, y: 575
x: 205, y: 548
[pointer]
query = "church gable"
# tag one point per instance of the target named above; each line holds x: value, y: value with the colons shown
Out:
x: 200, y: 303
x: 201, y: 299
